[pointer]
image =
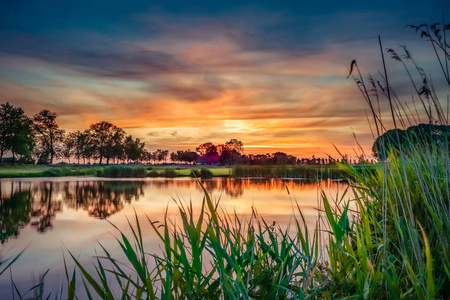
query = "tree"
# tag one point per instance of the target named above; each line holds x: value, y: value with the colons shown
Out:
x: 134, y: 149
x: 16, y: 133
x: 160, y: 155
x: 207, y: 149
x: 189, y: 156
x: 48, y: 132
x: 175, y: 156
x: 186, y: 156
x: 69, y: 145
x: 231, y: 152
x: 421, y: 134
x: 280, y: 158
x: 391, y: 139
x: 108, y: 139
x: 235, y: 145
x: 86, y: 145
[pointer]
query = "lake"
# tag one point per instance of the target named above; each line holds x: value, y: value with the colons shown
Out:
x: 51, y: 216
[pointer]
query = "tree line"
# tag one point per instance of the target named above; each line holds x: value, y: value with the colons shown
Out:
x: 39, y: 139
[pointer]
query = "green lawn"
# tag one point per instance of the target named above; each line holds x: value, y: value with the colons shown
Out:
x: 9, y: 171
x: 22, y: 170
x: 186, y: 170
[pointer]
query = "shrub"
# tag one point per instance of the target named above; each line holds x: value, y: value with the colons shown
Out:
x: 169, y: 173
x: 203, y: 173
x: 123, y: 172
x: 152, y: 173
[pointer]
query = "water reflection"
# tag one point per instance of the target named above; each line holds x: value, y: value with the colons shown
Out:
x: 102, y: 199
x: 38, y: 202
x: 15, y: 211
x: 46, y: 215
x: 236, y: 187
x: 44, y: 208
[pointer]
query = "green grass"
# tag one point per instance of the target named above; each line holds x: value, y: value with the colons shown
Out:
x: 118, y: 171
x: 310, y: 172
x: 21, y: 170
x: 10, y: 171
x: 314, y: 172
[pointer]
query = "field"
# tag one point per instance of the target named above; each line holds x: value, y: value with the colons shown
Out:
x: 171, y: 171
x: 15, y: 171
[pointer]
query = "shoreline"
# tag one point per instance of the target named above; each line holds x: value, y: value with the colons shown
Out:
x: 285, y: 172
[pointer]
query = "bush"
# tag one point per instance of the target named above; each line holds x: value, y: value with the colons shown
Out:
x: 305, y: 172
x: 152, y: 173
x: 203, y: 173
x: 123, y: 172
x: 170, y: 173
x: 195, y: 173
x: 53, y: 172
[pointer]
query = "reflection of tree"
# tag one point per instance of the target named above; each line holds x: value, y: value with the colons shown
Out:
x: 232, y: 187
x: 14, y: 213
x: 45, y: 209
x: 40, y: 202
x: 103, y: 199
x: 236, y: 187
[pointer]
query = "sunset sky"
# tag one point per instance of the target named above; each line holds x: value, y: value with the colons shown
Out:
x: 179, y: 73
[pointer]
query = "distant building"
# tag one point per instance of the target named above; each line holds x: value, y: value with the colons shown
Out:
x: 209, y: 159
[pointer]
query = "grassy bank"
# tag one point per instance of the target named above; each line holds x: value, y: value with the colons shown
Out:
x: 18, y: 171
x: 118, y: 171
x: 306, y: 172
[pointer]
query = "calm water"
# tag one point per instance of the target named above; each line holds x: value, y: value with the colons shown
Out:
x: 50, y: 217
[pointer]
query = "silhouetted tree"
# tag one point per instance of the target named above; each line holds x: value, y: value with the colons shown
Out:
x: 186, y: 156
x: 235, y: 145
x: 74, y: 143
x: 189, y: 156
x: 231, y: 152
x: 69, y: 145
x: 175, y: 156
x: 86, y: 145
x: 134, y: 149
x: 160, y: 155
x: 108, y: 140
x: 48, y: 132
x: 207, y: 149
x: 16, y: 133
